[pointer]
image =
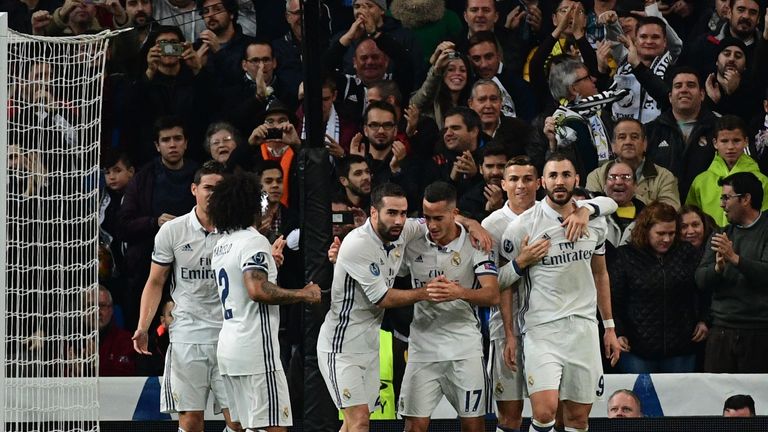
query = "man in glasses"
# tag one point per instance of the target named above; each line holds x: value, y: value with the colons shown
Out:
x: 620, y: 185
x: 654, y: 183
x: 733, y: 270
x: 224, y: 38
x: 378, y: 144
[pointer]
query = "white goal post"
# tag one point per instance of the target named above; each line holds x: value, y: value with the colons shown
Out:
x: 49, y: 192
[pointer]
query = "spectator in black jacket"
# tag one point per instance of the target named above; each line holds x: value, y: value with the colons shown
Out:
x: 224, y: 39
x: 488, y: 196
x: 172, y: 85
x: 158, y: 193
x: 659, y: 312
x: 680, y: 139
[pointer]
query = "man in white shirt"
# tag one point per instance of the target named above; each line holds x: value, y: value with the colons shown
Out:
x: 366, y: 265
x: 183, y: 248
x: 248, y: 351
x: 558, y: 301
x: 445, y: 351
x: 520, y: 182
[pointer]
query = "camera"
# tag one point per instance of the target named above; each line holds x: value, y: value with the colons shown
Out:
x: 274, y: 134
x: 454, y: 55
x: 171, y: 49
x: 343, y: 218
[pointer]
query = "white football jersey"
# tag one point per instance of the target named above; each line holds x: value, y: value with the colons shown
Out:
x: 448, y: 330
x: 365, y: 269
x: 496, y: 223
x: 561, y: 284
x: 248, y: 340
x: 187, y: 246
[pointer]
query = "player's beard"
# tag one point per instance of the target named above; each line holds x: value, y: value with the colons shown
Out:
x: 385, y: 232
x: 560, y: 201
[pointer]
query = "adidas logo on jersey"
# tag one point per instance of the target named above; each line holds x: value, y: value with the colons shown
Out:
x: 419, y: 259
x: 186, y: 248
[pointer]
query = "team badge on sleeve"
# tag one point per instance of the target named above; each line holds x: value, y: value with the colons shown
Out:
x: 374, y: 268
x: 508, y: 246
x: 258, y: 261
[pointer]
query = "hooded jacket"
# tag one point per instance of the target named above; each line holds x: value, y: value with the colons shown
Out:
x: 705, y: 192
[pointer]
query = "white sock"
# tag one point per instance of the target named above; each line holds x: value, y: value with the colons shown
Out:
x: 573, y: 429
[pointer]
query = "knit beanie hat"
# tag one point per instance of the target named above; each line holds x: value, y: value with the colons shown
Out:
x: 380, y: 3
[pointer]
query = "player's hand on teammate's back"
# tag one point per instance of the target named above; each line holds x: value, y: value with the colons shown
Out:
x: 312, y: 293
x: 576, y: 224
x: 510, y: 353
x: 612, y: 346
x: 333, y: 251
x: 440, y: 289
x: 140, y: 342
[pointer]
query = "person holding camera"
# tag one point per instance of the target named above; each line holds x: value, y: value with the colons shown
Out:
x: 174, y: 82
x: 276, y: 139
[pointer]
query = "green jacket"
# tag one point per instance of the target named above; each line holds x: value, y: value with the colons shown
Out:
x: 705, y: 192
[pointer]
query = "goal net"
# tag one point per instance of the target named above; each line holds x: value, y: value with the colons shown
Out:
x: 50, y: 192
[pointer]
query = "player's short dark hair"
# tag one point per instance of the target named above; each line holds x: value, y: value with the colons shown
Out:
x: 268, y: 165
x: 168, y: 122
x: 629, y: 120
x: 745, y: 183
x: 470, y: 118
x: 236, y: 202
x: 482, y: 37
x: 440, y: 191
x: 379, y: 105
x: 740, y: 401
x: 388, y: 88
x: 730, y: 122
x: 559, y: 157
x: 650, y: 20
x: 466, y: 5
x: 208, y: 168
x: 522, y: 160
x: 385, y: 190
x: 345, y: 164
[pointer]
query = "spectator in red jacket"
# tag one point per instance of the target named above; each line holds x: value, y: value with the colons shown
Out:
x: 116, y: 354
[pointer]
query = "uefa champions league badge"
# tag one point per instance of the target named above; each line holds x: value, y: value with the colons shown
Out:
x: 374, y: 268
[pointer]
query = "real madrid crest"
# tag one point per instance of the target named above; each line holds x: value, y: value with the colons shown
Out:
x: 397, y: 253
x: 499, y: 388
x: 456, y: 259
x: 346, y: 394
x: 530, y: 380
x: 286, y: 412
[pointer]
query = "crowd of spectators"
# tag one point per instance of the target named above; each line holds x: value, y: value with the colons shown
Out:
x: 662, y: 106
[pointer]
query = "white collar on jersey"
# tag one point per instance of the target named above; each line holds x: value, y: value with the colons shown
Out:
x: 453, y: 246
x: 194, y: 222
x: 507, y: 212
x: 550, y: 212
